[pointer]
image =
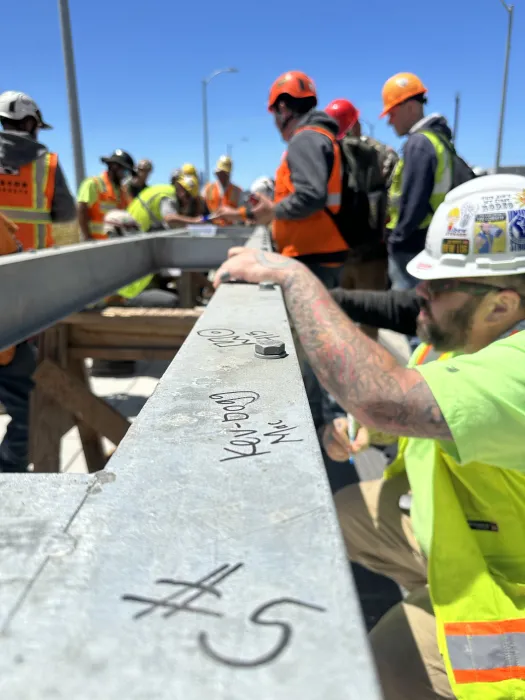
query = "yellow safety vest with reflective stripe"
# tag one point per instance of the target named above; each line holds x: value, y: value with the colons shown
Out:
x: 145, y: 208
x: 442, y: 183
x: 477, y: 538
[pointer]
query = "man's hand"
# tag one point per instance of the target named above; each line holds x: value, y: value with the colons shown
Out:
x: 227, y: 213
x: 336, y: 442
x: 263, y: 211
x: 251, y: 265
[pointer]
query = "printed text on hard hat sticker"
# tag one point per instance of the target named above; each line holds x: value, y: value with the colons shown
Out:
x: 455, y: 246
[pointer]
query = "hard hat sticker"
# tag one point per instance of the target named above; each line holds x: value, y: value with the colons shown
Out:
x: 517, y: 229
x: 455, y: 246
x: 490, y: 233
x: 455, y: 225
x: 520, y: 199
x: 498, y: 202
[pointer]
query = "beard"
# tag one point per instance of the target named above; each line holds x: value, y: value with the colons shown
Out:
x: 452, y: 332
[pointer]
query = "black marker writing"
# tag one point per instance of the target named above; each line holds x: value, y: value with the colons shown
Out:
x: 257, y: 618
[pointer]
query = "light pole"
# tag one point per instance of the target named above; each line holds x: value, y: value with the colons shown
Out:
x: 205, y: 84
x: 456, y: 117
x: 72, y: 93
x: 510, y: 12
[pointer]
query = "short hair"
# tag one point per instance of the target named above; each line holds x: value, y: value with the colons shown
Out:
x: 514, y: 282
x: 298, y: 105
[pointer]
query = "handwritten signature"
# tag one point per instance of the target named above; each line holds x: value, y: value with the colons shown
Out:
x: 225, y: 338
x: 249, y: 442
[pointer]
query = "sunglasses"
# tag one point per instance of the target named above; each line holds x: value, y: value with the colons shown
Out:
x: 436, y: 287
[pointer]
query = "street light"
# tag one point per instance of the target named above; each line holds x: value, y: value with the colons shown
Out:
x: 72, y: 93
x: 510, y: 11
x: 205, y: 84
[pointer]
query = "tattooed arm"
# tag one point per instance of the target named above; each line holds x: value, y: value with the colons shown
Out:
x: 361, y: 375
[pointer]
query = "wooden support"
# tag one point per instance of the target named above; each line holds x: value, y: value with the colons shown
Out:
x: 74, y: 396
x: 62, y: 396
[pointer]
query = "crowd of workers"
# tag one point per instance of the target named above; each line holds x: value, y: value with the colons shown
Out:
x: 345, y: 211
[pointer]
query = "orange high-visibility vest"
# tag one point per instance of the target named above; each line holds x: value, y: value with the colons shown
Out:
x: 26, y: 197
x: 316, y: 234
x: 216, y: 199
x: 107, y: 200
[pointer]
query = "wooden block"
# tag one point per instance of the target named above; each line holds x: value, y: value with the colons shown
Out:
x: 48, y: 420
x: 94, y: 337
x: 76, y: 398
x: 91, y: 440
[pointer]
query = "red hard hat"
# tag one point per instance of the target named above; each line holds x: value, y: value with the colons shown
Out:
x: 344, y: 113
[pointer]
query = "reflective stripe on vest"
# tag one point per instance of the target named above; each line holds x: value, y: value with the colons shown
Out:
x: 442, y: 183
x: 106, y: 201
x: 34, y: 220
x: 486, y: 652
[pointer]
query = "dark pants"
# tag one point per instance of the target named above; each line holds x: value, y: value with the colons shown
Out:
x: 15, y: 390
x: 317, y: 396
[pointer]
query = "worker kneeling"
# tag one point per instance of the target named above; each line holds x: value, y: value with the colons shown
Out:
x: 458, y: 552
x: 461, y: 418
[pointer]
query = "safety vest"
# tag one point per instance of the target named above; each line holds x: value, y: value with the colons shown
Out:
x: 316, y: 234
x: 442, y: 183
x: 145, y: 208
x: 26, y: 197
x: 8, y: 245
x: 476, y: 571
x: 215, y: 199
x: 106, y: 201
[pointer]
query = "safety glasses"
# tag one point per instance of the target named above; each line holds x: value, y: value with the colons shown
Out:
x: 436, y: 287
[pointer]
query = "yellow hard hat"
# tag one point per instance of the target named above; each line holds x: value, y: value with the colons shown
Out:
x: 189, y: 169
x: 190, y: 184
x: 224, y: 164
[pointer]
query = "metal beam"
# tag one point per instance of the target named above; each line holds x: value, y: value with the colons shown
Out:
x: 206, y: 559
x: 38, y: 289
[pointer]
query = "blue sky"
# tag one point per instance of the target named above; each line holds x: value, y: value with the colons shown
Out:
x: 140, y: 66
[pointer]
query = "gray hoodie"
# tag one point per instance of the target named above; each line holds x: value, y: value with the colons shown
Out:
x: 310, y: 159
x: 17, y: 149
x: 420, y: 163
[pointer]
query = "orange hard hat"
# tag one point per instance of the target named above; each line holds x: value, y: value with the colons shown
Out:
x: 294, y: 83
x: 399, y: 88
x: 344, y: 113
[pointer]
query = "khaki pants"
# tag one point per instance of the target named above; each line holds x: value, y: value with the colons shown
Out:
x: 379, y: 535
x: 372, y: 275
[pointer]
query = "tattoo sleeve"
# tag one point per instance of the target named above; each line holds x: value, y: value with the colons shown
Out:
x: 361, y: 375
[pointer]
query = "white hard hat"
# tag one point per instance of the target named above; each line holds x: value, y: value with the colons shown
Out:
x: 17, y: 105
x: 264, y: 185
x: 118, y: 222
x: 478, y: 231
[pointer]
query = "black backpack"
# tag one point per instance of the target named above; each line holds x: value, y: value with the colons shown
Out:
x: 361, y: 217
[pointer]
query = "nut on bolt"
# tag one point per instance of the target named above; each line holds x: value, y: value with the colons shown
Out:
x: 270, y: 349
x: 265, y: 285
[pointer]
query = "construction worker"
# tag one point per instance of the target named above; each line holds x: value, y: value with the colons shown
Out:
x: 139, y: 182
x: 262, y: 185
x: 373, y: 162
x: 169, y: 206
x: 222, y: 192
x: 461, y: 421
x: 33, y: 190
x: 421, y: 178
x: 100, y: 194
